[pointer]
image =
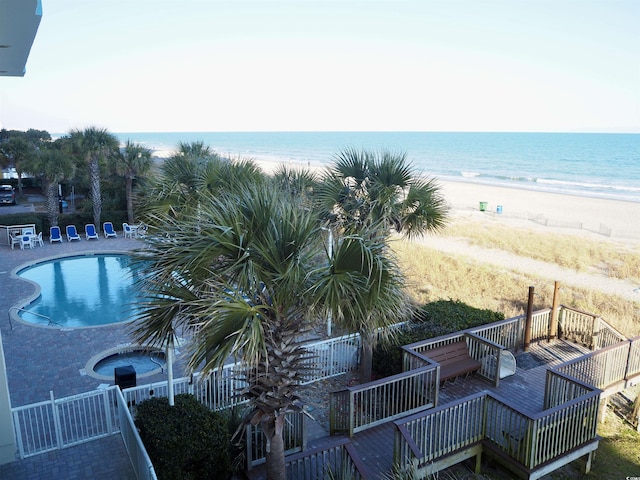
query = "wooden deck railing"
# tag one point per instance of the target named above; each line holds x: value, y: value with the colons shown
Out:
x: 587, y: 329
x: 488, y: 353
x: 451, y: 433
x: 427, y: 436
x: 364, y: 406
x: 509, y: 333
x: 604, y: 368
x: 633, y: 365
x: 560, y: 389
x: 339, y: 460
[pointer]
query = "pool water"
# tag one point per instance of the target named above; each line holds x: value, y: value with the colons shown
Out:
x: 142, y: 362
x: 82, y: 291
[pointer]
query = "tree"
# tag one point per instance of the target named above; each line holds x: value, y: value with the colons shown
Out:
x: 249, y: 284
x: 132, y: 160
x: 18, y: 147
x: 94, y: 145
x: 51, y: 165
x: 16, y: 152
x: 366, y: 193
x: 181, y: 179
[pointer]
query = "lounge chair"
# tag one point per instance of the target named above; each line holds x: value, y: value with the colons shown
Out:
x: 127, y: 230
x: 90, y: 231
x: 107, y: 227
x: 55, y: 235
x: 72, y: 233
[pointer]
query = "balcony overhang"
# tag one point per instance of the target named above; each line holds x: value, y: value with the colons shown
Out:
x: 19, y: 21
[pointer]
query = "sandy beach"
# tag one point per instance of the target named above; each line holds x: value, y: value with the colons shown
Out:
x: 602, y: 217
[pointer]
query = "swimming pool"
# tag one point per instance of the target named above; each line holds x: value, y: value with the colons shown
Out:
x: 82, y: 291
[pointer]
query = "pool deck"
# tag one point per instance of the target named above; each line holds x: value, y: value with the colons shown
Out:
x: 40, y: 360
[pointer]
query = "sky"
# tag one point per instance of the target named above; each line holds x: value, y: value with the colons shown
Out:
x: 332, y: 65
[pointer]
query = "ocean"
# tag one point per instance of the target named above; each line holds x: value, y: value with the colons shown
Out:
x: 588, y: 164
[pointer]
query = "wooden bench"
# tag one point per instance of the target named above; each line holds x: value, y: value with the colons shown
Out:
x: 454, y: 360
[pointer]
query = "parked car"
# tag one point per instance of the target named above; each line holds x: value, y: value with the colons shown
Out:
x: 7, y: 194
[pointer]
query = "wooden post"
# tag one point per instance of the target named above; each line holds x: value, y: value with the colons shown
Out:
x: 553, y: 326
x: 527, y: 325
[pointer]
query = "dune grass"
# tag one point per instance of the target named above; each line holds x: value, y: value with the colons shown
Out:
x: 611, y: 258
x: 432, y: 275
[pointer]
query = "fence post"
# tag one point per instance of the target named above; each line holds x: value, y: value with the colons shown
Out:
x: 527, y: 326
x: 56, y: 419
x: 553, y: 327
x: 107, y: 409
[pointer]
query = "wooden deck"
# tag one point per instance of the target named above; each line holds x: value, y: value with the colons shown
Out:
x: 525, y: 388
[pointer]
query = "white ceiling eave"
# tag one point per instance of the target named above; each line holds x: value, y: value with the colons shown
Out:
x: 19, y: 21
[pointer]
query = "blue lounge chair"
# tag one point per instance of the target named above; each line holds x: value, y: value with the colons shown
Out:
x: 55, y: 235
x: 107, y: 227
x: 90, y: 231
x: 72, y: 233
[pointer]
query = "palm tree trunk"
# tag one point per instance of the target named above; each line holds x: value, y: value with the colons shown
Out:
x: 129, y: 194
x: 274, y: 460
x: 96, y: 195
x: 52, y: 203
x: 366, y: 360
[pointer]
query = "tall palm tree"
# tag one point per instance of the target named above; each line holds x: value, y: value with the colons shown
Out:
x: 94, y: 145
x: 132, y: 160
x: 366, y: 193
x: 249, y: 284
x: 51, y: 166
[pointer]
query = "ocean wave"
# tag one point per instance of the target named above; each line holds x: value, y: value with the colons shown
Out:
x: 588, y: 185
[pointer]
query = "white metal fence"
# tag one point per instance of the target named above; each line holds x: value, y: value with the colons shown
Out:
x: 58, y: 423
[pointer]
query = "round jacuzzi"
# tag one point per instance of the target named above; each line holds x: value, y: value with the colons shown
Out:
x: 145, y: 361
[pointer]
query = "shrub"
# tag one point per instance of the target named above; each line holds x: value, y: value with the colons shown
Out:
x: 432, y: 320
x: 186, y: 441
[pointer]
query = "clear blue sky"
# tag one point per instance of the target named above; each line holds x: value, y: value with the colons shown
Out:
x: 426, y: 65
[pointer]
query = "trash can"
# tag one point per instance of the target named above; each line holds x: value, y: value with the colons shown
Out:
x: 499, y: 209
x: 125, y: 376
x: 483, y: 206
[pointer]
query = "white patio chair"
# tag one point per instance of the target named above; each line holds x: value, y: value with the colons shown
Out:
x: 38, y: 240
x: 15, y: 240
x: 127, y: 230
x: 25, y: 241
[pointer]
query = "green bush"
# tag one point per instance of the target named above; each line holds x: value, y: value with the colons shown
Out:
x: 26, y: 218
x: 432, y: 320
x: 186, y: 441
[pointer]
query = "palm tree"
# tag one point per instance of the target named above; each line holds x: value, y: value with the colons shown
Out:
x: 376, y: 193
x: 249, y: 284
x: 181, y: 179
x: 51, y: 166
x: 365, y: 189
x: 94, y: 145
x: 132, y: 160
